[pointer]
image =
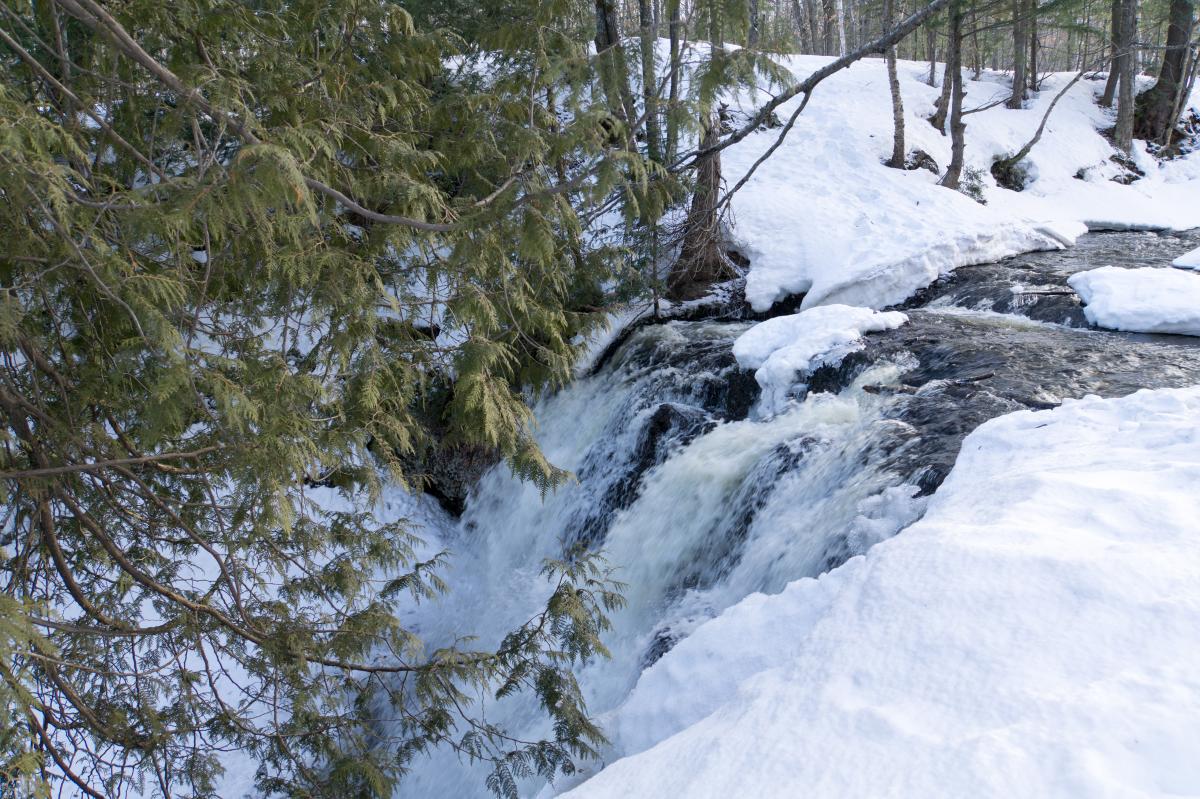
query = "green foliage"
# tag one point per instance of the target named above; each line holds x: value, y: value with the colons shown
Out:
x: 275, y: 245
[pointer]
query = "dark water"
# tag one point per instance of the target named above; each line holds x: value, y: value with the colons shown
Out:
x: 699, y: 498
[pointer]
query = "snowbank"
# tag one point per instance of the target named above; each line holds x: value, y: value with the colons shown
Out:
x: 1189, y: 260
x: 824, y: 217
x: 1146, y: 300
x: 779, y: 348
x: 1034, y: 635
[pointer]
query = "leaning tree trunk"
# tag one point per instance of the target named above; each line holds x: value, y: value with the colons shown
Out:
x: 1156, y: 114
x: 898, y: 148
x: 1118, y: 47
x: 1020, y: 28
x: 958, y: 130
x: 650, y: 83
x: 1123, y: 134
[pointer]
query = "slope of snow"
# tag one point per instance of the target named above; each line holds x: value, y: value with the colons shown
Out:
x: 824, y: 217
x: 1189, y: 260
x: 1033, y: 635
x: 781, y: 347
x: 1145, y: 300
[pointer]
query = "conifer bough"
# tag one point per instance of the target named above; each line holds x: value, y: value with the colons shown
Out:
x: 221, y: 304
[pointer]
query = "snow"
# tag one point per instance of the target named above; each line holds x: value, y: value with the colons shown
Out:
x: 781, y: 347
x: 1189, y: 260
x: 1145, y: 300
x: 824, y: 217
x: 1033, y: 635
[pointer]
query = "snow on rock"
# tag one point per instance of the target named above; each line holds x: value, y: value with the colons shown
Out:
x: 1146, y: 300
x: 1034, y: 635
x: 1189, y: 260
x: 780, y: 348
x: 825, y: 218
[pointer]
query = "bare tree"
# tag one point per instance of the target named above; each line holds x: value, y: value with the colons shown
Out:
x: 898, y: 148
x: 1123, y: 134
x: 958, y: 129
x: 1118, y: 47
x: 1020, y: 27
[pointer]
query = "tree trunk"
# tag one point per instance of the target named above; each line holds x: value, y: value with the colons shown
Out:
x: 611, y: 61
x: 841, y: 26
x: 752, y: 30
x: 1123, y: 134
x: 673, y: 27
x: 898, y: 148
x: 958, y: 130
x: 702, y: 260
x: 931, y: 46
x: 1033, y: 46
x: 1020, y: 26
x: 1114, y: 69
x: 828, y: 30
x: 1156, y: 114
x: 650, y: 82
x: 942, y: 107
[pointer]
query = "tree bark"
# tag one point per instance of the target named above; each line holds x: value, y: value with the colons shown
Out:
x: 953, y: 176
x: 942, y: 107
x: 702, y: 260
x: 1020, y: 26
x: 829, y: 9
x: 752, y: 29
x: 898, y: 148
x: 1156, y: 114
x: 650, y: 82
x: 931, y: 46
x: 1123, y: 134
x: 1033, y: 46
x: 1114, y: 68
x: 673, y: 27
x: 611, y: 61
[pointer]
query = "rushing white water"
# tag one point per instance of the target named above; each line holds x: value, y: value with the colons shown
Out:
x: 696, y: 505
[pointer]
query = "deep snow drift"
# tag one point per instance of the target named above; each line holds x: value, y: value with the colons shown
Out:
x: 1146, y: 300
x: 824, y: 216
x: 1033, y: 635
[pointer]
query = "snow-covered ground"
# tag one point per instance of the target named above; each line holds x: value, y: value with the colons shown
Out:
x: 1033, y: 635
x: 780, y: 348
x: 824, y: 216
x: 1145, y: 300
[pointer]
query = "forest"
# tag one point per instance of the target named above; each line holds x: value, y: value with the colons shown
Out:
x: 450, y: 398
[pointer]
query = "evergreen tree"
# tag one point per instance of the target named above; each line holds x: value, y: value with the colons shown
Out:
x: 248, y: 249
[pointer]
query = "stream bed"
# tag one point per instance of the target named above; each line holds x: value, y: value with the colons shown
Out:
x: 700, y: 499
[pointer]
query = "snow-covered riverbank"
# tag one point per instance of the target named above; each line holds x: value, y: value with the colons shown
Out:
x: 1033, y: 635
x: 824, y: 216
